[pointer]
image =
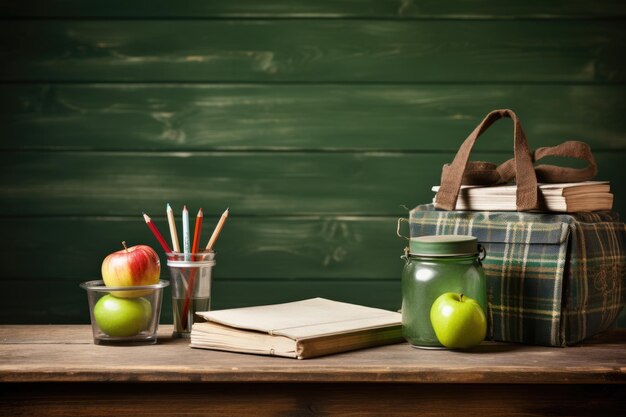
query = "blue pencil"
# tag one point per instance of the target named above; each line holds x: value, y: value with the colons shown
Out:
x: 186, y: 239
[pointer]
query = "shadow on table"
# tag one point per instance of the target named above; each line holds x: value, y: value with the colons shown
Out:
x: 493, y: 348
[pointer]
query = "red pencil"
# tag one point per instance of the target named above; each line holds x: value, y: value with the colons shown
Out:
x: 196, y: 232
x: 156, y: 233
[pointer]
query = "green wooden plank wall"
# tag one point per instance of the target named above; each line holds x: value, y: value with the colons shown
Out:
x: 315, y: 121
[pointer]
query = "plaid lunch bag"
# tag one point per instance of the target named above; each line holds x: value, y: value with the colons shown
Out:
x: 553, y: 279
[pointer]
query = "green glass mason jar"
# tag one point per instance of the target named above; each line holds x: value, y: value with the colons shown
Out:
x: 435, y: 265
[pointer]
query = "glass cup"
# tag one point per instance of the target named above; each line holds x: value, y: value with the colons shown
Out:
x: 124, y: 315
x: 191, y: 287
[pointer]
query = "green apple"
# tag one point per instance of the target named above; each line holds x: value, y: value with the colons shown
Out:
x: 459, y: 321
x: 122, y: 317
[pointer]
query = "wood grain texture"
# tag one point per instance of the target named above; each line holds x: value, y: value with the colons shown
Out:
x: 283, y: 248
x: 171, y: 360
x: 298, y: 183
x: 494, y: 379
x: 459, y: 9
x: 79, y: 183
x: 341, y: 400
x: 314, y: 51
x: 289, y: 117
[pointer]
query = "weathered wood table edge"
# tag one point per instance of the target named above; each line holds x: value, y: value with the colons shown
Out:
x: 66, y: 353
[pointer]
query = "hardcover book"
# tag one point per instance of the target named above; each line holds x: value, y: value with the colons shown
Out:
x: 301, y: 329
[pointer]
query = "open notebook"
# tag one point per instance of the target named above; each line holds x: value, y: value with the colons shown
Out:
x: 301, y: 329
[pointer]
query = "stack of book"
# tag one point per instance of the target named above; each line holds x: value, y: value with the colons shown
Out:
x: 565, y: 197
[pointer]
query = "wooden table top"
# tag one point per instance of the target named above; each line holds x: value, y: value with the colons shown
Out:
x: 66, y: 353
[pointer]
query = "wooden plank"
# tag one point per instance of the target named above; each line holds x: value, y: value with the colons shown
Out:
x: 460, y: 9
x: 54, y: 334
x: 171, y: 360
x: 62, y: 301
x: 262, y: 183
x: 248, y: 117
x: 277, y: 248
x: 340, y: 400
x: 62, y: 183
x: 589, y: 51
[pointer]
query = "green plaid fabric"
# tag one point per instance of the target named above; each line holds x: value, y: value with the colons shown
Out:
x: 552, y: 279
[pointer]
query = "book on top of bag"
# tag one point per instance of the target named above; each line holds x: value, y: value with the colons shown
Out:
x: 571, y: 197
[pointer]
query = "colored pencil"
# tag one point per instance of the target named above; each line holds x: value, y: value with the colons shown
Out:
x: 156, y: 233
x: 193, y: 272
x: 218, y: 230
x: 173, y: 232
x: 196, y: 232
x: 186, y: 244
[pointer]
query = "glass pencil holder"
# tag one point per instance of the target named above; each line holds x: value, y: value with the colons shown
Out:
x: 124, y: 315
x: 190, y: 276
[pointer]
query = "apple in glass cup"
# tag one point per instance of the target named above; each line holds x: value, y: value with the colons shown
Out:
x: 122, y: 317
x: 129, y: 267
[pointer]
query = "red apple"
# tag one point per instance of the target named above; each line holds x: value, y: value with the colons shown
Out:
x: 137, y: 265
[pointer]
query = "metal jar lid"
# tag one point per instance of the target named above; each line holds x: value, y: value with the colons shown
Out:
x: 444, y: 245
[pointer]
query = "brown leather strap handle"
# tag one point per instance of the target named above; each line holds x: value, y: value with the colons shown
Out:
x: 522, y: 169
x: 546, y: 173
x: 570, y: 149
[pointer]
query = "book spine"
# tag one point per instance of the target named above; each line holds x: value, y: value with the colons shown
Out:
x: 326, y: 345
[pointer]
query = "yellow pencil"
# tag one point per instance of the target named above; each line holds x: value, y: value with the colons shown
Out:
x: 217, y: 230
x: 172, y: 223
